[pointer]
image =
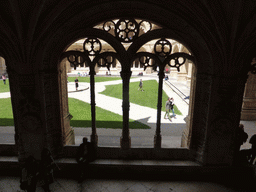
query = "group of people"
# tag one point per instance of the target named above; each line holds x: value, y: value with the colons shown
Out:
x: 40, y: 173
x: 244, y: 156
x: 84, y: 74
x: 36, y: 173
x: 169, y: 106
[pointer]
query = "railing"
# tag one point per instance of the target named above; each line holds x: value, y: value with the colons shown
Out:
x: 177, y: 91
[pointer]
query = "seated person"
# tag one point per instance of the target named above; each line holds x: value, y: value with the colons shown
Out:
x: 85, y: 155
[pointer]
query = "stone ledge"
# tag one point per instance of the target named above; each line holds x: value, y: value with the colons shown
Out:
x: 136, y: 169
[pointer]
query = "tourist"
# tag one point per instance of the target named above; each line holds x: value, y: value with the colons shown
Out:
x: 140, y: 85
x: 76, y: 82
x: 167, y: 108
x: 172, y: 107
x: 82, y: 158
x: 4, y: 79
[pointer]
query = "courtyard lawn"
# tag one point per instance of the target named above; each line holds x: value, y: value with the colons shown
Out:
x: 81, y: 113
x: 6, y: 115
x: 4, y: 87
x: 97, y: 79
x: 147, y: 98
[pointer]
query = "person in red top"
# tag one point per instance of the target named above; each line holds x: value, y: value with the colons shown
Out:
x: 4, y: 79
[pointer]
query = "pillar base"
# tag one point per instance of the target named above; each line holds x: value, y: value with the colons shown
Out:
x: 125, y: 143
x: 94, y: 139
x: 157, y: 141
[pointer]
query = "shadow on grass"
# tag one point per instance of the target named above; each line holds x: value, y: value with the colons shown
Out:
x: 87, y: 123
x: 6, y: 122
x: 108, y: 124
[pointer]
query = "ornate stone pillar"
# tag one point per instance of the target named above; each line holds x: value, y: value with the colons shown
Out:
x: 94, y: 136
x: 216, y: 119
x: 249, y: 101
x: 158, y: 137
x: 54, y: 135
x: 68, y: 132
x: 28, y: 114
x: 186, y: 134
x: 198, y: 113
x: 125, y: 140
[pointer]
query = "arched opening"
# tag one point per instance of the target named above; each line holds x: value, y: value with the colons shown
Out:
x: 6, y: 113
x: 140, y: 52
x: 181, y: 34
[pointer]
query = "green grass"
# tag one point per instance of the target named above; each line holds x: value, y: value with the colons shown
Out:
x: 6, y: 115
x: 4, y: 88
x: 97, y: 79
x: 147, y: 98
x: 81, y: 113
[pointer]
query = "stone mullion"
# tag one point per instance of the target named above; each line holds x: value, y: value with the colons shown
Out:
x: 186, y: 135
x: 225, y: 107
x: 158, y: 137
x: 94, y: 136
x: 200, y: 120
x: 126, y: 139
x: 54, y: 135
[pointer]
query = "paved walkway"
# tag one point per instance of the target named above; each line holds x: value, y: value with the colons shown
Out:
x: 171, y: 131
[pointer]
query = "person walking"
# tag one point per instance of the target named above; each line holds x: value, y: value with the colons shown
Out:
x: 140, y: 85
x: 167, y: 109
x: 4, y: 79
x: 76, y: 82
x: 172, y: 107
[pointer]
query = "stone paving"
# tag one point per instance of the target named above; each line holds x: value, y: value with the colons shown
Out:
x: 171, y: 131
x: 11, y: 184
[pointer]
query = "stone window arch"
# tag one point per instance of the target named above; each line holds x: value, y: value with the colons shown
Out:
x: 132, y: 41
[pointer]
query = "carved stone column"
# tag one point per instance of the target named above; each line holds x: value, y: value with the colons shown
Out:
x: 216, y: 120
x: 54, y: 135
x: 186, y: 134
x: 94, y: 136
x: 28, y: 114
x: 125, y: 140
x: 249, y: 101
x: 158, y: 137
x: 67, y: 131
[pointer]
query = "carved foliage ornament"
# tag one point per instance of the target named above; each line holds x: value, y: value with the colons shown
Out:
x: 163, y: 56
x: 127, y: 30
x: 91, y: 55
